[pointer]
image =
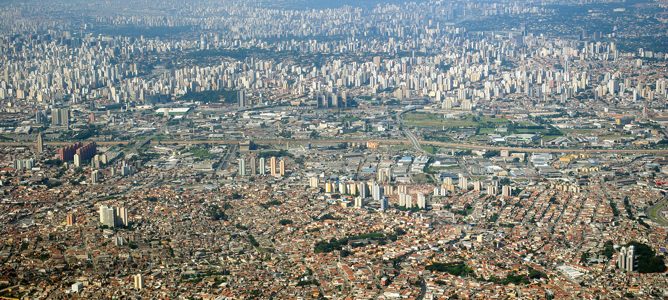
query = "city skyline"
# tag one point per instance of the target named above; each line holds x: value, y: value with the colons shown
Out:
x: 376, y: 149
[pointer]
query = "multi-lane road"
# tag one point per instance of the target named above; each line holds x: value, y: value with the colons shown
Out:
x: 411, y: 141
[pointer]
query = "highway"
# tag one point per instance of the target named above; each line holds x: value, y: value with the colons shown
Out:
x: 411, y: 141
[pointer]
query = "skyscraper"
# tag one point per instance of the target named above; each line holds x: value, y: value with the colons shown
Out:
x: 241, y: 96
x: 463, y: 182
x: 242, y: 167
x: 77, y: 160
x: 477, y: 186
x: 71, y: 219
x: 95, y: 177
x: 421, y: 201
x: 281, y: 167
x: 384, y: 204
x: 263, y: 166
x: 359, y: 202
x: 376, y: 192
x: 506, y: 191
x: 138, y: 282
x: 40, y: 143
x: 107, y: 216
x: 60, y: 117
x: 272, y: 166
x: 122, y: 214
x: 492, y: 190
x: 253, y: 167
x: 630, y: 259
x: 313, y: 182
x: 363, y: 190
x: 621, y: 259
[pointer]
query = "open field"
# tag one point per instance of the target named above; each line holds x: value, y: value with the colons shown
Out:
x: 656, y: 212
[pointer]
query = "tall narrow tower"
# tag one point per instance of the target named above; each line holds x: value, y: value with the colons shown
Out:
x: 40, y: 143
x: 272, y: 166
x: 630, y: 259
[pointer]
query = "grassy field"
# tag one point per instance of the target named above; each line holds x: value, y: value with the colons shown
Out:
x: 430, y: 149
x: 422, y: 179
x: 654, y: 213
x: 201, y: 153
x: 399, y: 148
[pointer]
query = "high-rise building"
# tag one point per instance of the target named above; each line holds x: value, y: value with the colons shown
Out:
x: 71, y: 219
x: 253, y: 166
x: 421, y: 201
x: 85, y: 152
x: 384, y: 175
x: 60, y: 117
x: 242, y: 167
x: 342, y: 188
x: 630, y: 259
x: 463, y: 182
x: 107, y: 216
x: 506, y: 191
x: 40, y: 143
x: 263, y: 166
x: 272, y: 166
x: 359, y: 202
x: 281, y: 167
x: 241, y: 96
x: 77, y: 160
x: 363, y: 192
x: 467, y: 105
x: 138, y: 282
x: 352, y: 189
x: 24, y: 164
x: 95, y: 162
x: 626, y: 259
x: 95, y: 177
x: 313, y: 182
x: 122, y: 214
x: 384, y: 204
x: 477, y: 186
x: 492, y: 190
x: 376, y: 192
x: 39, y: 117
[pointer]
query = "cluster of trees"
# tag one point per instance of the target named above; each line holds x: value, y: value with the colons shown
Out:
x: 271, y: 203
x: 325, y: 217
x: 628, y: 208
x: 648, y: 261
x: 275, y: 153
x: 462, y: 270
x: 337, y: 244
x: 222, y: 96
x: 253, y: 241
x: 457, y: 268
x: 215, y: 213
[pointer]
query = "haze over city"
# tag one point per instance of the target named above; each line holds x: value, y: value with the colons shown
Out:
x: 298, y: 149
